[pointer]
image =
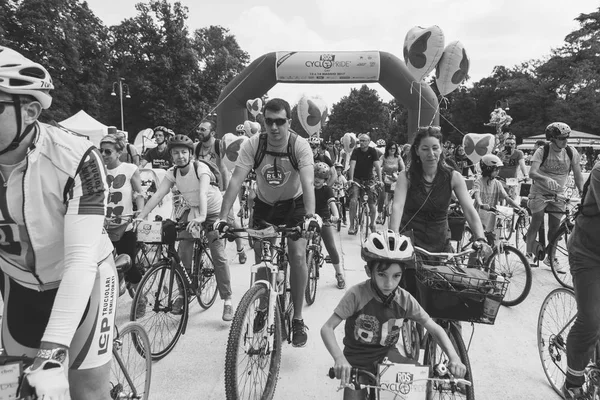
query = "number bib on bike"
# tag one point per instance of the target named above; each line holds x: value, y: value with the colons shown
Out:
x: 410, y: 381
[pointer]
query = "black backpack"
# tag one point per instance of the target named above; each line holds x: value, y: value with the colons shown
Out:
x: 262, y: 150
x: 217, y: 149
x: 547, y: 151
x: 213, y: 168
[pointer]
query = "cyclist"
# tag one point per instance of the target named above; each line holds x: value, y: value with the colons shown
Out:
x: 339, y: 189
x: 549, y: 179
x: 159, y: 156
x: 320, y: 156
x: 285, y: 194
x: 391, y: 164
x: 58, y: 278
x: 327, y: 210
x: 201, y: 192
x: 373, y: 307
x: 362, y: 162
x: 584, y: 253
x: 423, y: 195
x: 130, y: 153
x: 513, y: 159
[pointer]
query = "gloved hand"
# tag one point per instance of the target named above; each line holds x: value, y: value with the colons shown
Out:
x: 221, y: 226
x: 49, y: 381
x: 312, y: 223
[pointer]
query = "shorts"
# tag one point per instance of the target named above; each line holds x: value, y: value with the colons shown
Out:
x: 287, y: 212
x: 27, y: 312
x: 537, y: 203
x: 387, y: 188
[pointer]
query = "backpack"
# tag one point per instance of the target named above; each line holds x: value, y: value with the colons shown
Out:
x: 262, y: 150
x: 213, y: 168
x: 129, y: 152
x: 547, y: 151
x: 217, y: 149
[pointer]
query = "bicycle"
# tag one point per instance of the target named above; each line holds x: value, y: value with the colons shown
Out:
x: 557, y: 315
x: 314, y: 261
x: 131, y: 368
x: 427, y: 384
x: 155, y: 301
x: 244, y: 212
x: 341, y: 211
x: 364, y: 212
x: 262, y: 321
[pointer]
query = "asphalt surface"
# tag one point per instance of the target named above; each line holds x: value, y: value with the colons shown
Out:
x: 504, y: 357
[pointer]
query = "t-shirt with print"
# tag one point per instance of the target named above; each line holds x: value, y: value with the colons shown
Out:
x: 490, y: 193
x: 323, y: 197
x: 555, y: 167
x: 364, y: 162
x: 189, y: 186
x: 372, y: 328
x: 120, y: 197
x: 276, y: 178
x: 159, y: 159
x: 511, y: 164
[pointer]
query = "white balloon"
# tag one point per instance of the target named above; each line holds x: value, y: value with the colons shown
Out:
x: 311, y: 112
x: 423, y: 48
x: 478, y: 145
x: 452, y: 69
x: 230, y: 148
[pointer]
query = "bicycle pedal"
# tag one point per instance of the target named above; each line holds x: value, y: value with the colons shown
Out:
x: 328, y: 259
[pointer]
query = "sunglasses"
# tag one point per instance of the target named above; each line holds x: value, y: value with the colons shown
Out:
x: 562, y: 138
x: 108, y: 152
x: 3, y: 104
x: 277, y: 121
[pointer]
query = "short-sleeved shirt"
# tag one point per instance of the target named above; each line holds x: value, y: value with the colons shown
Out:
x: 323, y: 197
x: 189, y: 186
x: 120, y: 198
x: 372, y: 328
x: 276, y: 178
x: 490, y: 193
x: 364, y: 162
x: 511, y: 164
x: 583, y: 241
x: 159, y: 159
x: 557, y: 166
x: 212, y: 154
x: 339, y: 185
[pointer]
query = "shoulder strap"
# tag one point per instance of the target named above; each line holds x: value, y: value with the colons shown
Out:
x: 129, y: 152
x: 261, y: 150
x: 218, y: 147
x: 569, y: 150
x: 290, y: 152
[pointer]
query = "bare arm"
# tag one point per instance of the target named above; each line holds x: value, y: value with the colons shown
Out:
x: 136, y: 184
x: 578, y: 176
x: 224, y: 175
x: 143, y: 162
x: 233, y: 188
x: 161, y: 192
x: 399, y: 200
x: 377, y: 166
x: 455, y: 364
x: 307, y: 176
x: 351, y: 172
x: 522, y: 166
x: 342, y: 366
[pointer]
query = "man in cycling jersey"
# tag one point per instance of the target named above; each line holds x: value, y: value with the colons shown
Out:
x: 285, y: 195
x: 550, y: 179
x: 58, y: 281
x: 159, y: 156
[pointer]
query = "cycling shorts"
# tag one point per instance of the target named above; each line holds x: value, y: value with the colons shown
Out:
x: 27, y: 311
x: 288, y: 212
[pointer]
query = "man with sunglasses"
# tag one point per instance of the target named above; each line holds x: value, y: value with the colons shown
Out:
x: 513, y: 160
x: 285, y: 196
x: 58, y: 280
x: 549, y: 179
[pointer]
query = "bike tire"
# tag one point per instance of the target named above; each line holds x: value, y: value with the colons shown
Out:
x: 206, y: 293
x: 513, y: 266
x: 507, y: 228
x: 131, y: 365
x: 554, y: 323
x: 364, y: 225
x: 434, y: 355
x: 521, y: 228
x: 160, y: 284
x: 242, y: 331
x: 558, y: 246
x: 310, y: 293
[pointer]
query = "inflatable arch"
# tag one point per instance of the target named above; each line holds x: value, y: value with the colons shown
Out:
x: 326, y: 67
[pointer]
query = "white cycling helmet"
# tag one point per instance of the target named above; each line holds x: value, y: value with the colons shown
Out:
x: 386, y: 246
x: 381, y: 143
x: 314, y: 141
x: 489, y: 163
x: 21, y: 76
x: 239, y: 130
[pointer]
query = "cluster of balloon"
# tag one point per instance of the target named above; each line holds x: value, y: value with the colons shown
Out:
x: 478, y: 145
x: 349, y: 142
x: 499, y: 119
x: 312, y: 114
x: 230, y: 147
x: 424, y: 51
x: 251, y: 128
x: 254, y: 106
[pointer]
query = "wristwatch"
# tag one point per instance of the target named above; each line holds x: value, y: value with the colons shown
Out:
x: 58, y: 354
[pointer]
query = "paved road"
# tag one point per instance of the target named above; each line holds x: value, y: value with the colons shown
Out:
x: 504, y: 356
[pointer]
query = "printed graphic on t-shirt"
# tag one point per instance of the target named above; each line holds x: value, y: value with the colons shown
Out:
x: 275, y: 176
x: 116, y: 196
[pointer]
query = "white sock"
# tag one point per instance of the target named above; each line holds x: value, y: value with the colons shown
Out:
x: 228, y: 302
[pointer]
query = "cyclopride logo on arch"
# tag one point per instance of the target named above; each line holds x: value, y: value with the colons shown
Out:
x: 310, y: 66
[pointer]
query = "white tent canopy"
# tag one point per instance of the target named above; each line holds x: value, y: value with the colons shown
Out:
x: 86, y: 125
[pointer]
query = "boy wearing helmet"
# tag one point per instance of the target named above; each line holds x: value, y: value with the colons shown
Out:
x: 549, y: 180
x: 159, y: 156
x: 374, y: 311
x: 339, y: 189
x: 56, y: 258
x: 201, y: 192
x: 326, y: 208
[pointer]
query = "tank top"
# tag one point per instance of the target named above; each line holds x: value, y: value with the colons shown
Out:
x: 426, y: 212
x: 389, y: 167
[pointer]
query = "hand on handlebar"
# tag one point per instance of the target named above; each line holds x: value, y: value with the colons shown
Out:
x: 457, y: 368
x: 221, y: 226
x: 343, y: 370
x: 49, y: 380
x: 552, y: 184
x: 483, y: 249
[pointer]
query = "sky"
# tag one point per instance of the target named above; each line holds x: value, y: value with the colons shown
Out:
x: 493, y: 32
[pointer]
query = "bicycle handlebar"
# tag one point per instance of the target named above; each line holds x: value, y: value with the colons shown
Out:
x: 444, y: 255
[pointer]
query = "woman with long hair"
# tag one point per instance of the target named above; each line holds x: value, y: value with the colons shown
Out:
x: 391, y: 165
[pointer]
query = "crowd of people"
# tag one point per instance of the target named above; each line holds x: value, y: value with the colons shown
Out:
x: 62, y: 200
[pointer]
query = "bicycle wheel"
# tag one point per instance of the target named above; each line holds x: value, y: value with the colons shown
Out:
x: 252, y: 360
x: 434, y: 355
x: 152, y: 307
x: 364, y: 224
x: 313, y: 278
x: 560, y: 262
x: 207, y: 280
x: 131, y: 366
x: 507, y: 228
x: 556, y: 318
x: 511, y: 264
x: 146, y: 255
x: 521, y: 228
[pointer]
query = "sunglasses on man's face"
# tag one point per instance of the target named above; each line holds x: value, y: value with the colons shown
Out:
x: 108, y: 152
x: 276, y: 121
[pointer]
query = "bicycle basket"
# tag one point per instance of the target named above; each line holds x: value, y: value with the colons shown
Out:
x: 455, y: 292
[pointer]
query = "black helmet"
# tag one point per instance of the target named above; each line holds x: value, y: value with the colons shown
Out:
x: 557, y: 130
x: 489, y: 163
x: 180, y: 141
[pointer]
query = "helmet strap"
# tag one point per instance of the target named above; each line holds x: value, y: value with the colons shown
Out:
x: 19, y: 136
x: 386, y: 300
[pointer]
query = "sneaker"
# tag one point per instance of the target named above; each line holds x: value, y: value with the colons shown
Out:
x: 227, y: 312
x: 299, y: 336
x: 242, y: 256
x: 558, y: 267
x: 575, y: 393
x: 177, y: 308
x: 341, y: 282
x: 352, y: 231
x: 531, y: 260
x: 260, y: 319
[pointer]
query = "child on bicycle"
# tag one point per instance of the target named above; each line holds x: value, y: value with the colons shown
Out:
x: 374, y: 311
x: 339, y: 189
x: 326, y: 208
